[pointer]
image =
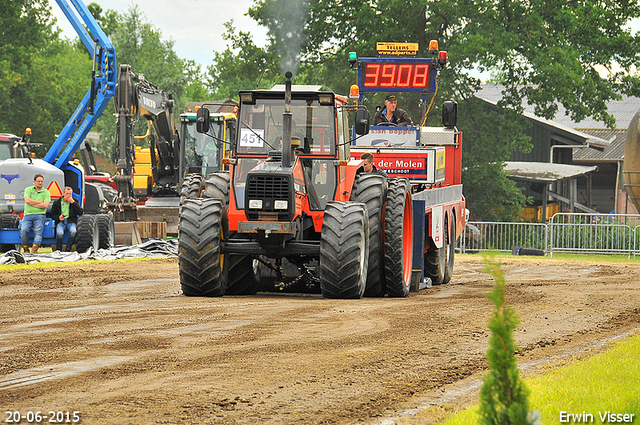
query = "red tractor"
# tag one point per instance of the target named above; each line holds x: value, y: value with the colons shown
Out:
x: 294, y: 211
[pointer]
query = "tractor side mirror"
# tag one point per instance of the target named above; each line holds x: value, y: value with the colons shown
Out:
x: 362, y: 121
x: 202, y: 120
x: 449, y: 114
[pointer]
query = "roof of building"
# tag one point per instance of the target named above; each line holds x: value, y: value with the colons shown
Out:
x: 544, y: 172
x: 491, y: 93
x: 613, y: 152
x: 623, y: 110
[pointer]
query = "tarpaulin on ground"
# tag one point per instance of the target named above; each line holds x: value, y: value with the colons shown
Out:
x: 152, y: 248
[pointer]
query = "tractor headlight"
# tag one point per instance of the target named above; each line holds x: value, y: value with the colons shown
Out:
x: 281, y: 205
x: 255, y: 204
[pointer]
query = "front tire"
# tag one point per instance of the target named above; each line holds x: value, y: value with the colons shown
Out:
x: 344, y: 248
x: 191, y: 187
x: 201, y: 262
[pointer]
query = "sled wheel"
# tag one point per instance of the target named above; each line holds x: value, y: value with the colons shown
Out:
x: 191, y: 187
x: 88, y: 234
x: 106, y: 231
x: 344, y: 244
x: 201, y: 263
x: 435, y: 262
x: 450, y: 240
x: 371, y: 190
x: 398, y: 238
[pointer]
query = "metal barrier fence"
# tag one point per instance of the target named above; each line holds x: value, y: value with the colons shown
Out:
x: 565, y: 232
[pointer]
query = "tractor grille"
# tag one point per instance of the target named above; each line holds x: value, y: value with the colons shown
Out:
x: 268, y: 187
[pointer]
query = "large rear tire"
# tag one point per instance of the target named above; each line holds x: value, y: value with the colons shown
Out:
x: 398, y: 238
x: 371, y: 190
x: 344, y: 244
x: 191, y: 187
x: 202, y: 268
x: 106, y: 231
x: 88, y: 233
x: 243, y: 274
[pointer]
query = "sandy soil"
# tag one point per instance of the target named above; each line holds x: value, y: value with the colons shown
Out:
x: 120, y: 344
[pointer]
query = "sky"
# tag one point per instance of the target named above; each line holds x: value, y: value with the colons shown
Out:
x: 195, y: 26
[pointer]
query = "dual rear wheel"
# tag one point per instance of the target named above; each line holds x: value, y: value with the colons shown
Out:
x: 95, y: 231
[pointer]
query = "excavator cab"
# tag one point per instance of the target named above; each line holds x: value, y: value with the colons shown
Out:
x: 204, y: 150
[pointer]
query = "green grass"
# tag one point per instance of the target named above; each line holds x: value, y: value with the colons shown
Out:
x: 604, y: 382
x: 601, y: 258
x: 9, y: 267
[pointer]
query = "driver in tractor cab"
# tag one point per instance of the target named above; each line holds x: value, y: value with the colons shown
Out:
x: 392, y: 114
x: 295, y: 146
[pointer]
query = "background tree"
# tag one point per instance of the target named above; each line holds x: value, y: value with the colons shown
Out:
x: 140, y: 44
x: 29, y: 70
x: 242, y: 66
x: 553, y: 52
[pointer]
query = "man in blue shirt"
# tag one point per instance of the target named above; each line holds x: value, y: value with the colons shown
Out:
x: 36, y: 202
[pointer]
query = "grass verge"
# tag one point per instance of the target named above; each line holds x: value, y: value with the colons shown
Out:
x: 42, y: 265
x: 604, y: 383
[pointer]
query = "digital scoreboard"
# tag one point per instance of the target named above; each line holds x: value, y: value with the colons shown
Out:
x: 397, y: 74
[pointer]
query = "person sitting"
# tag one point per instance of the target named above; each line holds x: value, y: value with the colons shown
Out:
x: 391, y: 114
x: 295, y: 146
x: 65, y: 211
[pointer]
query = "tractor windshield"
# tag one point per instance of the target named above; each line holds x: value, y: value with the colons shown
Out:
x: 5, y: 151
x: 261, y: 127
x: 202, y: 152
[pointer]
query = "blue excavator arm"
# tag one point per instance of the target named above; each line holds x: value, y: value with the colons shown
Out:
x: 103, y: 83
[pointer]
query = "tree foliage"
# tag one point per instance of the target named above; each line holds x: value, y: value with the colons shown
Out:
x: 242, y: 66
x: 579, y: 54
x: 140, y: 44
x: 490, y: 195
x: 29, y: 44
x: 43, y: 77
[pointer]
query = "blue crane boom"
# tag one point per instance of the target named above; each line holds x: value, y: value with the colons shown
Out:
x: 103, y: 83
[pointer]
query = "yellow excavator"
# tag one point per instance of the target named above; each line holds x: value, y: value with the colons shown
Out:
x: 149, y: 180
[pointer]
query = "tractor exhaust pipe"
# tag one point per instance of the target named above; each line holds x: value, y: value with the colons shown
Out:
x: 286, y: 123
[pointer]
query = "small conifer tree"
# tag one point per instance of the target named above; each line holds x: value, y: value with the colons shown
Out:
x: 503, y: 396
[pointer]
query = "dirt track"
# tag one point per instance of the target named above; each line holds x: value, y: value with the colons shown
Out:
x: 120, y: 344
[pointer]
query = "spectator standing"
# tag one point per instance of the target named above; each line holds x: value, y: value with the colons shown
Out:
x: 36, y: 202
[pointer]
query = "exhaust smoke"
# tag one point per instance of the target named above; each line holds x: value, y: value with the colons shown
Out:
x: 288, y: 19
